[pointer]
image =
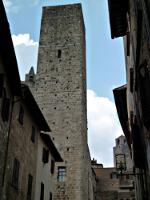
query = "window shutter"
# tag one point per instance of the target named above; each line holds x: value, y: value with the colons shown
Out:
x: 50, y: 196
x: 131, y: 79
x: 15, y: 175
x: 42, y: 192
x: 29, y: 192
x: 5, y: 109
x: 144, y: 86
x: 128, y: 43
x: 33, y: 134
x: 52, y: 166
x: 45, y: 155
x: 21, y: 115
x: 138, y: 153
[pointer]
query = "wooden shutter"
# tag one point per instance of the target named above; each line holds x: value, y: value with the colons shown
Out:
x: 144, y: 86
x: 15, y: 174
x: 131, y: 79
x: 5, y: 109
x: 29, y: 192
x: 45, y: 155
x: 50, y: 196
x: 138, y: 150
x: 33, y: 134
x: 52, y: 166
x: 21, y: 115
x: 42, y: 192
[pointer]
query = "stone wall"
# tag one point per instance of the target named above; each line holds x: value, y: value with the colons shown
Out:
x: 24, y: 150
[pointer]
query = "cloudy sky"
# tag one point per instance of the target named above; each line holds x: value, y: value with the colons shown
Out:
x: 105, y: 64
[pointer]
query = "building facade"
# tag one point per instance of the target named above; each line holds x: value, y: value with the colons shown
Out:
x: 60, y: 90
x: 132, y: 22
x: 46, y: 159
x: 117, y: 182
x: 26, y: 124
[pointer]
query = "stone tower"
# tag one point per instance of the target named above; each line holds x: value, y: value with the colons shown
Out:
x: 60, y: 91
x: 122, y: 154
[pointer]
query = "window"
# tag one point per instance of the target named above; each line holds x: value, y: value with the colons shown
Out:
x: 29, y: 192
x: 59, y: 53
x: 131, y: 80
x: 21, y: 115
x: 50, y: 196
x: 15, y: 174
x: 5, y: 109
x: 42, y: 192
x: 144, y: 86
x: 61, y: 174
x: 45, y: 155
x: 33, y: 134
x: 52, y: 166
x: 114, y: 175
x: 1, y: 84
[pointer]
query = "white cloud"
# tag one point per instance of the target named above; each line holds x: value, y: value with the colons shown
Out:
x: 15, y: 5
x: 23, y: 39
x: 26, y: 52
x: 103, y: 127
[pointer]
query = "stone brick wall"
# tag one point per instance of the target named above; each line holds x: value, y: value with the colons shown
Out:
x: 24, y: 150
x: 60, y: 91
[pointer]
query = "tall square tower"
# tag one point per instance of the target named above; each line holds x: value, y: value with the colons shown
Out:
x: 60, y: 91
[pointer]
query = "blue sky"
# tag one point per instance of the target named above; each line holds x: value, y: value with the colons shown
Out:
x: 105, y: 62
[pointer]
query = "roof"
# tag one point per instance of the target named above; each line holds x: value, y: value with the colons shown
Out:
x: 48, y: 141
x: 121, y: 105
x: 34, y: 108
x: 8, y: 54
x: 118, y: 17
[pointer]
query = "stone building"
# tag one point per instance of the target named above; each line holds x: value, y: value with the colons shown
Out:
x: 132, y: 21
x: 47, y: 157
x: 26, y: 124
x: 9, y: 88
x: 122, y: 154
x: 116, y: 183
x: 60, y: 90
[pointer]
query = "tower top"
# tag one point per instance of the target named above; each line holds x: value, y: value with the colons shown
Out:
x: 31, y: 72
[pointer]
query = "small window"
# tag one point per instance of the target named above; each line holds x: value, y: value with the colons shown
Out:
x: 61, y: 174
x: 33, y: 134
x: 29, y: 192
x: 52, y: 166
x: 118, y: 141
x: 42, y: 192
x: 59, y: 53
x: 45, y: 155
x: 114, y: 175
x: 1, y: 84
x: 15, y: 174
x: 5, y: 109
x: 128, y: 43
x: 131, y: 80
x: 127, y: 176
x: 21, y: 115
x: 50, y: 196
